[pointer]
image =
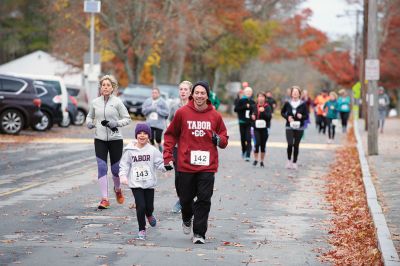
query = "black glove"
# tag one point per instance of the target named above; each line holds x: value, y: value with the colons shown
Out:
x: 168, y: 167
x: 216, y: 139
x: 104, y: 123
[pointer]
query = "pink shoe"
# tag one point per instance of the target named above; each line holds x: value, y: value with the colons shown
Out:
x: 289, y: 165
x: 294, y: 166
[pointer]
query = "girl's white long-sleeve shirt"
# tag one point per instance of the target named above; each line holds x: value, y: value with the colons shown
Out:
x: 139, y: 165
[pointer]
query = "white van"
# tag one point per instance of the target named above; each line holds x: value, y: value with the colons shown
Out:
x: 58, y: 84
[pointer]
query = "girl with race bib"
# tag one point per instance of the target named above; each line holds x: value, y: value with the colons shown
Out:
x: 296, y: 113
x: 138, y: 170
x: 331, y: 108
x: 262, y: 118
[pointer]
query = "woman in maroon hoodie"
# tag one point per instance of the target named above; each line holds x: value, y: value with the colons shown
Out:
x: 198, y: 129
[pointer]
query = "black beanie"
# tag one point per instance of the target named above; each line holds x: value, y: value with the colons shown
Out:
x: 204, y: 84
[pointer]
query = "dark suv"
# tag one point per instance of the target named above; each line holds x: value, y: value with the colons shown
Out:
x: 133, y: 97
x: 51, y: 106
x: 19, y: 104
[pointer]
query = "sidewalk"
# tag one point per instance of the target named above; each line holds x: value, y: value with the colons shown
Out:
x: 386, y: 171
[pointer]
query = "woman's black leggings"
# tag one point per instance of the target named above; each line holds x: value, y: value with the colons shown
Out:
x: 293, y: 138
x: 261, y: 136
x: 245, y: 138
x: 156, y: 134
x: 144, y: 200
x: 344, y: 116
x: 331, y: 128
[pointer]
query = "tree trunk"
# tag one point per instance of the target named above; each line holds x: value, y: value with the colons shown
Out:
x: 177, y: 68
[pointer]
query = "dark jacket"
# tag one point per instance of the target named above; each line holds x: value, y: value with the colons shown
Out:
x: 288, y: 110
x: 241, y: 108
x: 265, y: 115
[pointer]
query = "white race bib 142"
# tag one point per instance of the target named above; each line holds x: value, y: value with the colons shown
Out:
x: 200, y: 158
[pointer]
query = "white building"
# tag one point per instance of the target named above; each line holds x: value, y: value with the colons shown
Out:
x: 42, y: 63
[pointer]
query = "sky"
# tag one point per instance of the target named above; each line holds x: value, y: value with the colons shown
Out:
x: 325, y: 16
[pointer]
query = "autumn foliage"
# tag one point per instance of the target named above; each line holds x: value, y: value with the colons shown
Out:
x: 352, y: 232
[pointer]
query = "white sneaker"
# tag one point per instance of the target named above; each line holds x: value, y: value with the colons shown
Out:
x: 187, y: 227
x: 294, y: 166
x: 198, y: 239
x: 289, y: 165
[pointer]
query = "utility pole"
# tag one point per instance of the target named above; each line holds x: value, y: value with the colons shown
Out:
x: 372, y: 75
x: 364, y: 109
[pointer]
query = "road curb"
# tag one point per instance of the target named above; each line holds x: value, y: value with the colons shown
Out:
x: 385, y: 243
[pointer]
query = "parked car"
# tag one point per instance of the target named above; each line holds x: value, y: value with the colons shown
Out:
x: 82, y: 100
x: 133, y: 97
x: 19, y: 104
x: 51, y: 106
x: 171, y: 93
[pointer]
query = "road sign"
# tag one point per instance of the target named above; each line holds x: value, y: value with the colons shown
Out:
x: 372, y: 69
x: 92, y: 6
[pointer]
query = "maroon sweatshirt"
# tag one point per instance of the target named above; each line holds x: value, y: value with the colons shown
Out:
x: 192, y: 131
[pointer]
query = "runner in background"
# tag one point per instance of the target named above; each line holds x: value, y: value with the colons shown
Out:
x: 262, y: 118
x: 319, y: 102
x: 383, y: 105
x: 295, y: 112
x: 244, y: 108
x: 331, y: 109
x: 344, y: 105
x: 156, y: 111
x: 185, y: 88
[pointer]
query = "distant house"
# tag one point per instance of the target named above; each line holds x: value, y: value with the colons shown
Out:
x: 42, y: 63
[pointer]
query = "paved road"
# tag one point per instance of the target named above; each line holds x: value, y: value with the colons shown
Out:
x: 268, y: 216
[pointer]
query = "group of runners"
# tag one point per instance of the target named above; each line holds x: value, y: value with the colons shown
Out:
x: 191, y: 141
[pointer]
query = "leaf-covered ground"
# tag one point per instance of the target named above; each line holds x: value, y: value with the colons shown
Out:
x: 352, y: 232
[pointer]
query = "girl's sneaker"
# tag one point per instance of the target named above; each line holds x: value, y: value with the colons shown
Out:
x: 177, y: 207
x: 294, y: 166
x: 289, y: 165
x: 198, y: 239
x: 262, y: 164
x: 152, y: 220
x: 104, y: 204
x: 141, y: 235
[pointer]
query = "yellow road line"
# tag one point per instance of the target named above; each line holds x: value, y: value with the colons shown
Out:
x: 22, y: 188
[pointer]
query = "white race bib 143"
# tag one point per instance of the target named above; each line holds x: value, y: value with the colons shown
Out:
x: 141, y: 173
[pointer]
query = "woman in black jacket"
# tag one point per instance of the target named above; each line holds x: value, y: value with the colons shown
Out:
x: 296, y: 113
x: 244, y: 108
x: 261, y: 120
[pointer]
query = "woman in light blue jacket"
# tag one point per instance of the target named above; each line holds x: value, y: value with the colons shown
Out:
x: 106, y: 114
x: 344, y: 105
x: 156, y: 111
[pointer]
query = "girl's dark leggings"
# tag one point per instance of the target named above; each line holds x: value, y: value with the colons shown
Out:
x: 293, y: 138
x: 144, y: 200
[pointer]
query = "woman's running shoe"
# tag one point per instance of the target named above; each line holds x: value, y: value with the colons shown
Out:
x: 104, y: 204
x: 262, y: 164
x: 255, y: 162
x: 118, y: 195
